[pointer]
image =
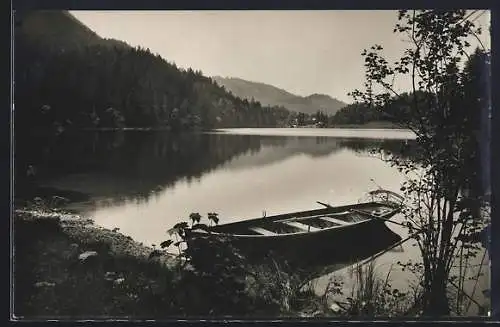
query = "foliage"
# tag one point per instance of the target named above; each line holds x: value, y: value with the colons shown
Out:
x: 443, y: 112
x: 395, y: 111
x: 220, y: 278
x: 373, y: 296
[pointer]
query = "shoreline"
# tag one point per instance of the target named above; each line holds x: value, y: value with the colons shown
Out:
x: 375, y: 125
x: 84, y: 230
x: 74, y: 269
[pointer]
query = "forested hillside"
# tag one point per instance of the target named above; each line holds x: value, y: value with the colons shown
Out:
x: 274, y: 96
x: 66, y: 76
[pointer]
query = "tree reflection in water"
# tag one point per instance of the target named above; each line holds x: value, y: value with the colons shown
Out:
x: 140, y: 164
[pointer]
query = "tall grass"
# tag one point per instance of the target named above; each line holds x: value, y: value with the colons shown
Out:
x: 373, y: 295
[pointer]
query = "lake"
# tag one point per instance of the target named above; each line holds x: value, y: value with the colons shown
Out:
x: 145, y: 182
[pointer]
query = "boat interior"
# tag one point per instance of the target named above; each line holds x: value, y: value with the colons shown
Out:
x: 311, y: 223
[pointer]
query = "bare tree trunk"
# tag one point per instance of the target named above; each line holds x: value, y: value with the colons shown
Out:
x: 436, y: 302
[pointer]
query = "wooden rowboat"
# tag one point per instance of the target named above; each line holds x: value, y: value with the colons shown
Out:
x: 339, y: 233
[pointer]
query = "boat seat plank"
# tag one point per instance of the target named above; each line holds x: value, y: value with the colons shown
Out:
x: 263, y: 231
x: 336, y: 221
x: 343, y: 213
x: 302, y: 226
x: 298, y: 219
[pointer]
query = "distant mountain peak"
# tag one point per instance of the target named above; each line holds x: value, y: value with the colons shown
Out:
x: 222, y: 80
x: 271, y: 95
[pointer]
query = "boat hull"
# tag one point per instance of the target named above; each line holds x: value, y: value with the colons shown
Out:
x: 347, y: 243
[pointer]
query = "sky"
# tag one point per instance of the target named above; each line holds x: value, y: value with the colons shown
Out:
x: 303, y: 52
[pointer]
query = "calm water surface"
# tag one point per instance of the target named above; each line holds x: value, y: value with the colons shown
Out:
x: 145, y: 182
x: 156, y: 180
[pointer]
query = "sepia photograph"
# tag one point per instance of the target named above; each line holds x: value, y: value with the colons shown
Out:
x: 251, y: 164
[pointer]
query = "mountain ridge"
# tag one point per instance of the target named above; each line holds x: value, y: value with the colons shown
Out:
x: 271, y: 95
